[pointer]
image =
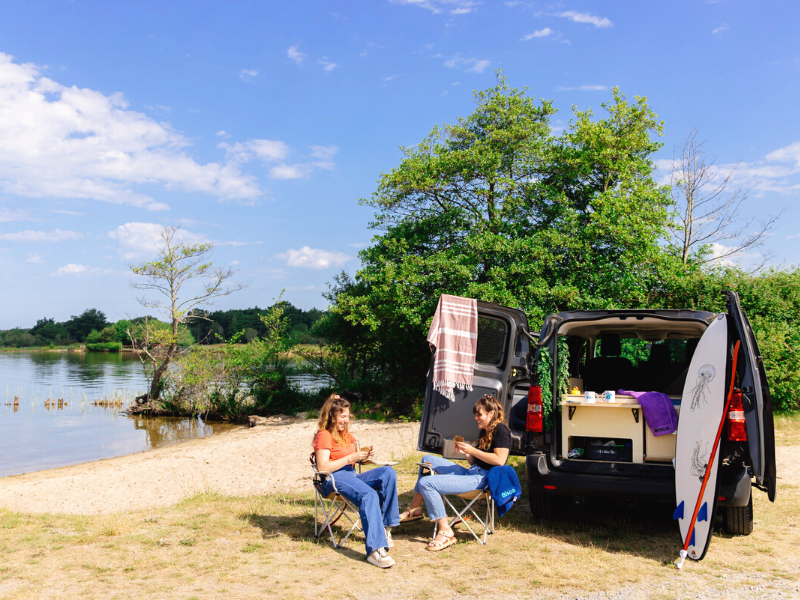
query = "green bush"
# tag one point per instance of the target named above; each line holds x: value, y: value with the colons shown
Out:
x: 104, y: 346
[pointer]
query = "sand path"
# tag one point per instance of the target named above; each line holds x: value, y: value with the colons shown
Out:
x: 242, y: 462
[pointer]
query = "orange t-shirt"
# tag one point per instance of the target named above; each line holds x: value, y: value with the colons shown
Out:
x: 324, y: 441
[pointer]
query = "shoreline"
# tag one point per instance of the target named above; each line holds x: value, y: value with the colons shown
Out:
x: 241, y: 462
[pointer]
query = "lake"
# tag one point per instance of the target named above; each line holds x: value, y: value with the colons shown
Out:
x: 39, y: 432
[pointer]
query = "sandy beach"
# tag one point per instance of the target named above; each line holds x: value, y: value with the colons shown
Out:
x: 242, y: 462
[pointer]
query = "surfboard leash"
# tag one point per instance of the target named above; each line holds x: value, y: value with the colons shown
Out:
x: 684, y: 551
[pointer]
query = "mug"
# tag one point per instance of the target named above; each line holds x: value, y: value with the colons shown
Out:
x: 589, y: 397
x: 609, y: 396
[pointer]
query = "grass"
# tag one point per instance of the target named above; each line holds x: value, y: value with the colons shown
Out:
x: 213, y: 546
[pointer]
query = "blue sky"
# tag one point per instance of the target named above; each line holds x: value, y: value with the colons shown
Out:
x: 259, y: 125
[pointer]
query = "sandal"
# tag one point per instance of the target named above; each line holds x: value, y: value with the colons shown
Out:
x: 436, y: 546
x: 413, y: 515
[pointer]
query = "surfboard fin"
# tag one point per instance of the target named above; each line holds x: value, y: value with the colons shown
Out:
x: 691, y: 542
x: 678, y: 514
x: 702, y: 514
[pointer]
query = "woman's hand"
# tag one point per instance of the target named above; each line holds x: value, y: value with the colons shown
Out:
x: 464, y: 448
x: 358, y: 457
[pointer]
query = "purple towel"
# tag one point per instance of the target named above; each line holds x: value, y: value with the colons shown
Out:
x: 658, y: 411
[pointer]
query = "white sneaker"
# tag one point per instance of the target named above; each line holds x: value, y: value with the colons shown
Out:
x: 389, y: 540
x: 380, y: 559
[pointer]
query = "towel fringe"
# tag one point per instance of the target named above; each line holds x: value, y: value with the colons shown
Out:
x: 447, y: 388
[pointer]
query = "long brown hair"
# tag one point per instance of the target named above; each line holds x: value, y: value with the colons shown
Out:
x: 334, y: 405
x: 489, y: 403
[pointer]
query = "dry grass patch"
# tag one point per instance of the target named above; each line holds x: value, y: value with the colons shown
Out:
x: 212, y: 546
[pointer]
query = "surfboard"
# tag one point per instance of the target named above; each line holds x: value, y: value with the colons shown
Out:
x: 702, y: 405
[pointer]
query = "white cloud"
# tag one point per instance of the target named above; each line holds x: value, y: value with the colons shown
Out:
x: 305, y: 288
x: 778, y: 171
x: 78, y: 270
x: 289, y: 171
x: 454, y: 7
x: 538, y: 34
x: 223, y: 134
x: 324, y: 156
x: 579, y: 17
x: 721, y: 28
x: 16, y: 214
x: 583, y: 88
x: 790, y: 154
x: 66, y: 142
x: 471, y: 65
x: 248, y: 74
x: 57, y: 235
x: 327, y: 65
x: 295, y: 54
x: 34, y: 258
x: 140, y: 240
x: 324, y: 160
x: 266, y: 150
x: 314, y: 258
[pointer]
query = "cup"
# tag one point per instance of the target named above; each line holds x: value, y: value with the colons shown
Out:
x: 610, y: 396
x: 589, y: 397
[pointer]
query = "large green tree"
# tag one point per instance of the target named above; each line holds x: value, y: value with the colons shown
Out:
x: 500, y: 208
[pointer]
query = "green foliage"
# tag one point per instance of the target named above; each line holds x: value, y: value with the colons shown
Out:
x: 104, y: 347
x: 239, y: 379
x: 80, y: 326
x: 544, y: 374
x: 218, y: 326
x: 499, y: 208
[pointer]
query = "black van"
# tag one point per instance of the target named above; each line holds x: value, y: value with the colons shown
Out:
x: 576, y: 453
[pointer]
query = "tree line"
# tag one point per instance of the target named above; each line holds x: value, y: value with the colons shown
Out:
x: 93, y: 327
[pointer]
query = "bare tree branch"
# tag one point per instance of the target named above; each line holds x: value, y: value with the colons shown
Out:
x: 708, y: 208
x: 176, y: 264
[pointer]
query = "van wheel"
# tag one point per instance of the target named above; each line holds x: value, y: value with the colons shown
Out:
x: 543, y: 506
x: 738, y: 520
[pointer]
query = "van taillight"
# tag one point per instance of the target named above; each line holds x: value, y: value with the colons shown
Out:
x: 535, y: 409
x: 737, y: 426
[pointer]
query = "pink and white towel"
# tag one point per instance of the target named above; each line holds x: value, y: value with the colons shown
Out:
x: 454, y: 337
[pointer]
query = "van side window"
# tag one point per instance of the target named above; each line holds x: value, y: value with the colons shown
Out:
x: 492, y: 341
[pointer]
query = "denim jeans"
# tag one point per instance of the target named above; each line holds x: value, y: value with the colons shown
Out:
x: 374, y: 492
x: 450, y: 478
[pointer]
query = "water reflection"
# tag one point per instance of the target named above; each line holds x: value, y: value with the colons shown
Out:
x: 166, y: 431
x: 64, y: 408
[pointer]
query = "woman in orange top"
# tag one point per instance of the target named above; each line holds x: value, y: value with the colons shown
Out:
x: 374, y: 492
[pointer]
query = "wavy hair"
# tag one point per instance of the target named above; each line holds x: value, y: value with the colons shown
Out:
x: 489, y: 403
x: 334, y: 405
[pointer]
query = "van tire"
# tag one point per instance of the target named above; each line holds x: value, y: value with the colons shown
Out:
x: 543, y: 506
x: 738, y: 520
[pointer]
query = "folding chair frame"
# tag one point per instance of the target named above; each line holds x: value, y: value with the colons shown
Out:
x: 469, y: 499
x: 334, y: 506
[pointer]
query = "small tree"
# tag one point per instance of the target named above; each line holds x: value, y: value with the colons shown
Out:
x: 177, y: 263
x: 708, y: 205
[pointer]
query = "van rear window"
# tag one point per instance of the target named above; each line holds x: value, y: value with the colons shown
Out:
x: 492, y: 341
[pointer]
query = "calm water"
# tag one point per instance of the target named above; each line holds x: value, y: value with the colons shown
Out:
x: 34, y: 436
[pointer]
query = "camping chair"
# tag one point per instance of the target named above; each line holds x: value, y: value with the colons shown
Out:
x: 471, y: 501
x: 334, y: 506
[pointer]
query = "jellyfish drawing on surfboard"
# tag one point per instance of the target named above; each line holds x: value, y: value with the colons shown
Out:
x: 699, y: 461
x: 705, y: 376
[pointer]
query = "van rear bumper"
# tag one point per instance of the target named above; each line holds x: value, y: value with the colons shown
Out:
x: 542, y: 479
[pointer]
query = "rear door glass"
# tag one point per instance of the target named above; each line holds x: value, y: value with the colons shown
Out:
x: 492, y: 341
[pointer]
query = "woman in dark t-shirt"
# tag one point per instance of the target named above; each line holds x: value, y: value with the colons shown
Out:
x: 492, y: 450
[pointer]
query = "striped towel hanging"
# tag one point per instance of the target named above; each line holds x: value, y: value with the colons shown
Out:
x: 454, y: 337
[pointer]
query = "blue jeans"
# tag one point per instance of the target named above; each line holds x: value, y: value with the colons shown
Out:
x: 374, y: 492
x: 450, y: 478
